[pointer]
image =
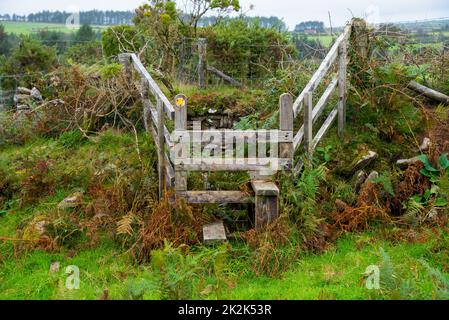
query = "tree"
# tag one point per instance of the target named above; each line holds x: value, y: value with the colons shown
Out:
x: 85, y: 34
x: 317, y: 26
x: 120, y: 39
x: 199, y: 8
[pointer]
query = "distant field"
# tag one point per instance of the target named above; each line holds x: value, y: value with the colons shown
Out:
x: 31, y: 27
x: 325, y: 40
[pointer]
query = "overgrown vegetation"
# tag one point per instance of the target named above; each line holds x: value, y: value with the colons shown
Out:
x: 78, y: 179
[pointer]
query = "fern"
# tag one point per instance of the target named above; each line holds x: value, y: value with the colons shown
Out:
x: 387, y: 271
x: 414, y: 210
x: 299, y: 198
x: 124, y: 225
x: 442, y: 281
x: 441, y: 112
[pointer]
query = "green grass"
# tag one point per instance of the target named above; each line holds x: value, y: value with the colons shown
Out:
x: 100, y: 268
x: 338, y: 273
x: 26, y: 28
x: 325, y: 40
x: 335, y: 274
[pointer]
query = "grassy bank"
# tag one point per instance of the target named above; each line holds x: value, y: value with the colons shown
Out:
x: 108, y: 270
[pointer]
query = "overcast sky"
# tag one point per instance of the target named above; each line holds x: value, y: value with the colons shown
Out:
x: 293, y: 11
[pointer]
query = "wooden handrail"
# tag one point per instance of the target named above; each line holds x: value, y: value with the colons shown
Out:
x: 154, y: 88
x: 317, y: 111
x: 319, y: 75
x: 304, y: 101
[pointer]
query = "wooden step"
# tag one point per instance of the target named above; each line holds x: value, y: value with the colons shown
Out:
x: 214, y: 232
x: 217, y: 197
x: 267, y: 202
x: 265, y: 188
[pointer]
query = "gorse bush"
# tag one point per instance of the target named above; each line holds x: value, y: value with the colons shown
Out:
x: 85, y: 53
x: 28, y: 61
x: 246, y: 50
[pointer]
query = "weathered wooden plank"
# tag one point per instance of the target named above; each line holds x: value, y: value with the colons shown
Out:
x: 268, y: 136
x: 321, y: 104
x: 168, y: 160
x: 428, y: 92
x: 220, y: 197
x: 308, y: 122
x: 298, y: 138
x: 180, y: 182
x: 169, y: 175
x: 125, y: 60
x: 266, y: 203
x: 225, y: 77
x: 266, y: 211
x: 325, y: 128
x: 202, y: 47
x: 321, y: 72
x: 180, y: 124
x: 298, y: 166
x: 317, y: 111
x: 154, y: 88
x: 342, y: 51
x: 181, y: 112
x: 286, y: 150
x: 265, y: 188
x: 161, y: 148
x: 214, y: 165
x: 146, y: 113
x: 154, y: 118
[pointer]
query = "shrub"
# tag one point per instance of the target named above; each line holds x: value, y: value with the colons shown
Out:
x: 85, y: 33
x: 85, y: 53
x: 240, y: 48
x: 27, y: 62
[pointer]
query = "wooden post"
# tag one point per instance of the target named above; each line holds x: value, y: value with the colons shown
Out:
x: 286, y: 118
x: 125, y: 60
x: 266, y: 202
x: 342, y: 52
x: 161, y: 149
x: 180, y: 125
x: 360, y: 37
x: 202, y: 63
x: 308, y: 121
x: 144, y: 87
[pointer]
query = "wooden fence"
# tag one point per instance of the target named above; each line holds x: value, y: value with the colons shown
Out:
x: 304, y: 103
x: 173, y: 169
